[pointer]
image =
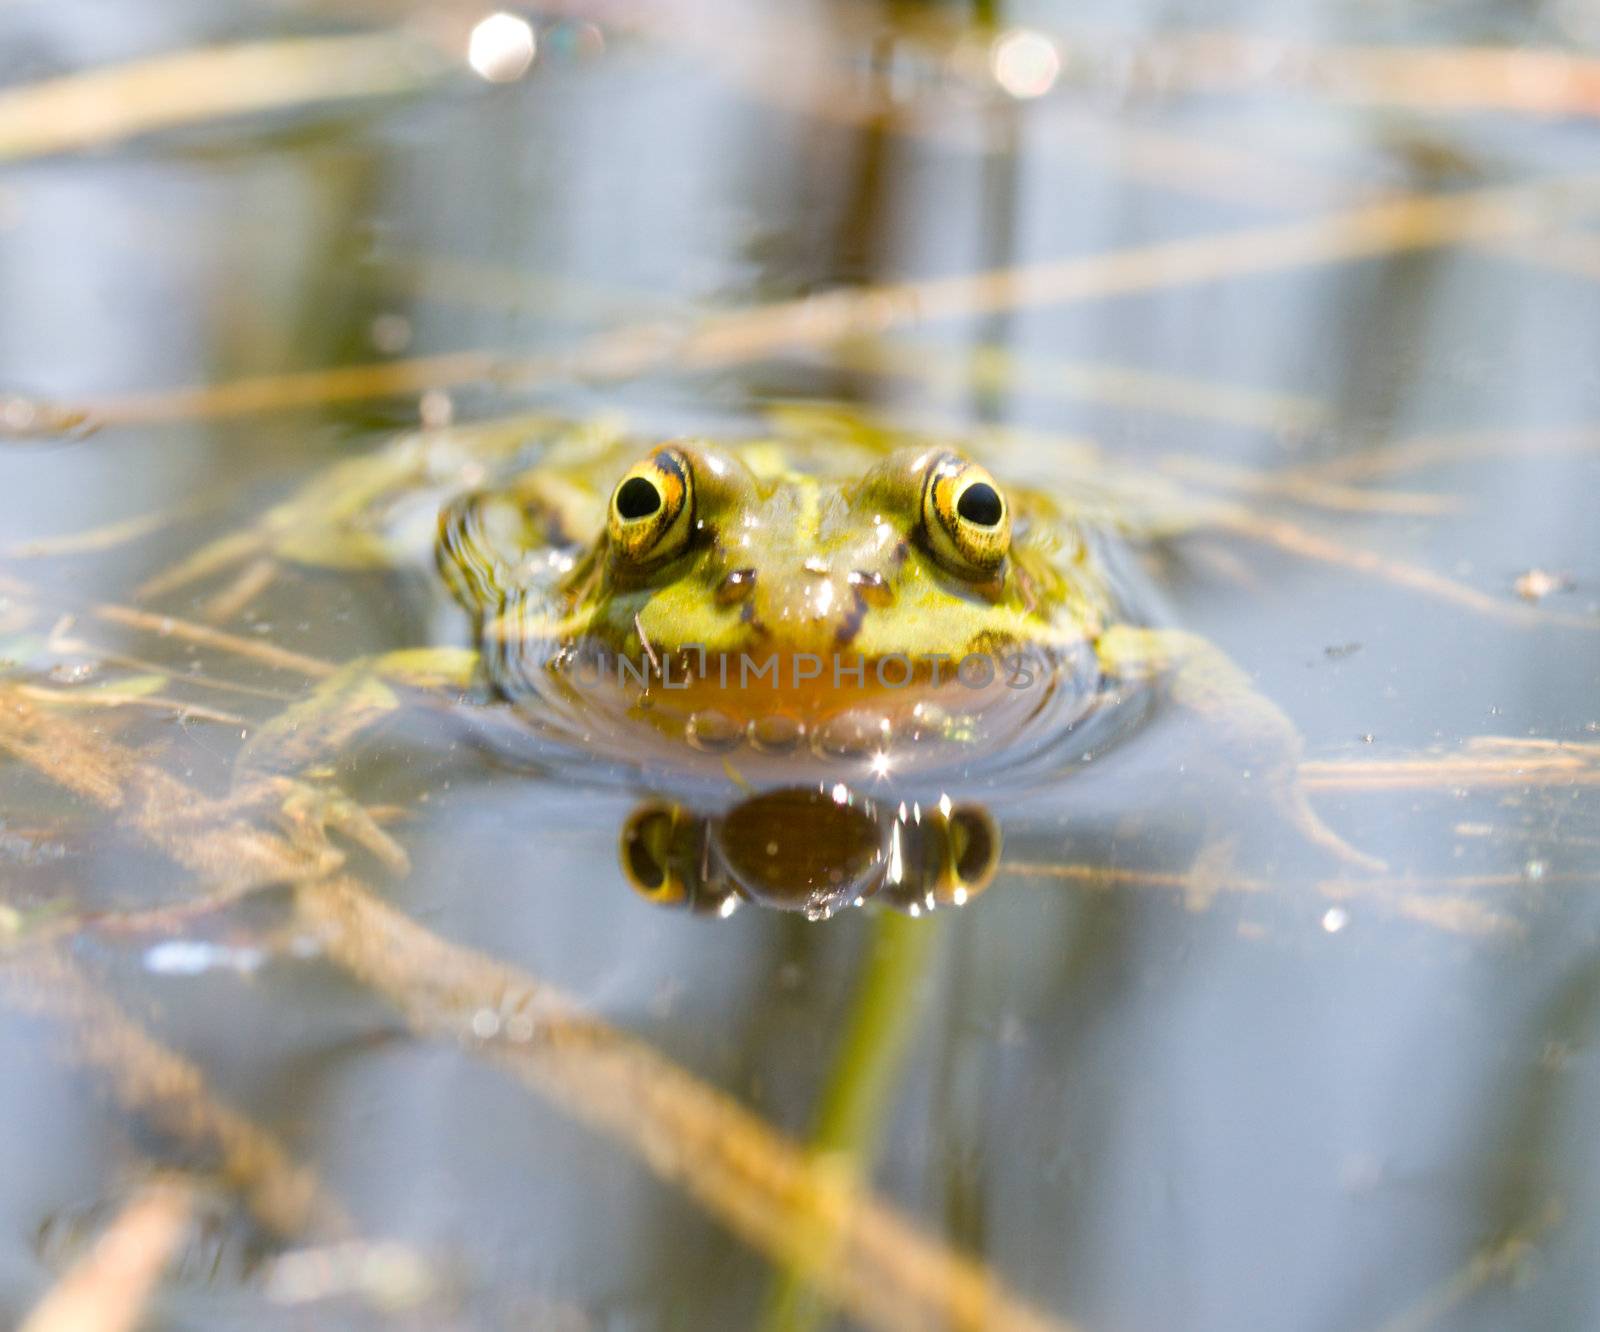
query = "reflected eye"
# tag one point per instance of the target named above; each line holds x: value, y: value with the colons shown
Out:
x: 967, y: 521
x: 650, y: 854
x: 652, y: 509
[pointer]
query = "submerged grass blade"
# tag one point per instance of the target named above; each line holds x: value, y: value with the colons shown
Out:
x: 1388, y: 227
x: 103, y: 106
x: 1512, y: 443
x: 202, y: 635
x: 1306, y: 544
x: 162, y: 1087
x: 763, y: 1186
x: 106, y: 1290
x: 992, y: 368
x: 1481, y: 763
x: 866, y: 1070
x: 1441, y: 902
x: 1307, y: 491
x: 766, y: 1188
x: 1502, y: 1260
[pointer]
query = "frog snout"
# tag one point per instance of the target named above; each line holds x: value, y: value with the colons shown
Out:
x: 811, y: 605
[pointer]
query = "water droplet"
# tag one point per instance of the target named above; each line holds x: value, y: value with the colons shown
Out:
x: 928, y: 721
x: 435, y: 409
x: 390, y: 333
x: 73, y: 672
x: 852, y: 734
x: 736, y: 587
x: 713, y: 732
x: 872, y: 588
x: 776, y: 734
x: 571, y: 40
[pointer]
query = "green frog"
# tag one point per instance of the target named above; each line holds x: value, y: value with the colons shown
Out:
x: 855, y: 611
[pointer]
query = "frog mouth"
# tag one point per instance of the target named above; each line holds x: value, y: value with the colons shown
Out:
x: 813, y: 685
x: 779, y: 716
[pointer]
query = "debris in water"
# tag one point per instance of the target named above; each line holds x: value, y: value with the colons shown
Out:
x: 1537, y: 584
x: 28, y: 418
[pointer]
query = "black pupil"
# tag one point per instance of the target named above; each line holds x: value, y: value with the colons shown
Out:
x: 637, y: 498
x: 980, y: 504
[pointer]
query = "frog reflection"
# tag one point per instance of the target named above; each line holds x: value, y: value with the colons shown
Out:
x: 811, y: 849
x: 696, y: 557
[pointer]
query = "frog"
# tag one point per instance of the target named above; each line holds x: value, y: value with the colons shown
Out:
x: 823, y: 614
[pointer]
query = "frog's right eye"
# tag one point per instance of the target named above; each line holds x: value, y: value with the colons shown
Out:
x: 652, y: 509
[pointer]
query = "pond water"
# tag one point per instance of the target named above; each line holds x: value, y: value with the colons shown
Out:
x: 1331, y: 275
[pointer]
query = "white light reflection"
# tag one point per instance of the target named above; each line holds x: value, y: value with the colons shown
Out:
x: 501, y: 47
x: 182, y: 957
x: 1025, y: 63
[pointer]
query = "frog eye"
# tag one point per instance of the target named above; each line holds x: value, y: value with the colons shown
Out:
x: 664, y: 858
x: 652, y: 509
x: 965, y: 516
x: 650, y: 858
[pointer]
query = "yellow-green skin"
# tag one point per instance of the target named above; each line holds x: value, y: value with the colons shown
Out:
x: 829, y: 559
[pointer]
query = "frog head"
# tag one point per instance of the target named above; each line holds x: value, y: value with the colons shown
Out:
x: 772, y: 596
x: 921, y: 555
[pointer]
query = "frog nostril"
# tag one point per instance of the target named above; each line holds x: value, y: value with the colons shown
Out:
x: 736, y: 587
x: 872, y: 588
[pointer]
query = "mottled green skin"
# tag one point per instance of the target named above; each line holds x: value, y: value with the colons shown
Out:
x: 828, y: 558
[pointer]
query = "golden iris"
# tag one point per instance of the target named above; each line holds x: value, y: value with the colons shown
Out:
x: 652, y: 509
x: 965, y: 516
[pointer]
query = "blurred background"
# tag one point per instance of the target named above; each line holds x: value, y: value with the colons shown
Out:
x: 1337, y: 264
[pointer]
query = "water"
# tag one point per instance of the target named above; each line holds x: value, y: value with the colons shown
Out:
x: 1173, y: 1066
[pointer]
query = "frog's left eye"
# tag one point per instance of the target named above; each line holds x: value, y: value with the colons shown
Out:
x: 652, y: 509
x: 664, y: 858
x: 966, y: 517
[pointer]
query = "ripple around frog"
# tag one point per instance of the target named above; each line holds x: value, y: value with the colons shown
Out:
x: 692, y: 737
